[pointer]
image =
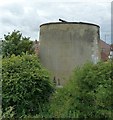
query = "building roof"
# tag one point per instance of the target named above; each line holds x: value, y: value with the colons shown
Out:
x: 69, y: 23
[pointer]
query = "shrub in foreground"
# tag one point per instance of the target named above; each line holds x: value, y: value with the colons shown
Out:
x: 89, y: 94
x: 26, y: 85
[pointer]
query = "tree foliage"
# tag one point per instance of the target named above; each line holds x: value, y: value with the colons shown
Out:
x: 26, y: 85
x: 89, y: 94
x: 15, y: 43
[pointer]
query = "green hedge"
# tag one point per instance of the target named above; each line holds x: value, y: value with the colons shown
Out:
x: 89, y: 94
x: 26, y: 85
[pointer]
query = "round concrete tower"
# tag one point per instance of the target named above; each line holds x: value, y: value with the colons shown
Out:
x: 66, y: 45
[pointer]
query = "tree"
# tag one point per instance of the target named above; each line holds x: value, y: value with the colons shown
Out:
x: 15, y: 43
x: 26, y: 85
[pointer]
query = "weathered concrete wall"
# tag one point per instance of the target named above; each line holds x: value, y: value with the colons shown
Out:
x: 63, y: 46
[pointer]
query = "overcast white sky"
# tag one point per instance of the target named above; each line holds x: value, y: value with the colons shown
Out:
x: 28, y: 15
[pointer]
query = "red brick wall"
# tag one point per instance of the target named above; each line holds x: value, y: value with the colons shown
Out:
x: 105, y: 50
x: 36, y: 47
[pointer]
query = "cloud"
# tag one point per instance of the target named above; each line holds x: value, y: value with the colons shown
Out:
x: 27, y: 15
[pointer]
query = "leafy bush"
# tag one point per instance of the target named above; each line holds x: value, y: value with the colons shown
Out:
x: 89, y: 94
x: 26, y: 85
